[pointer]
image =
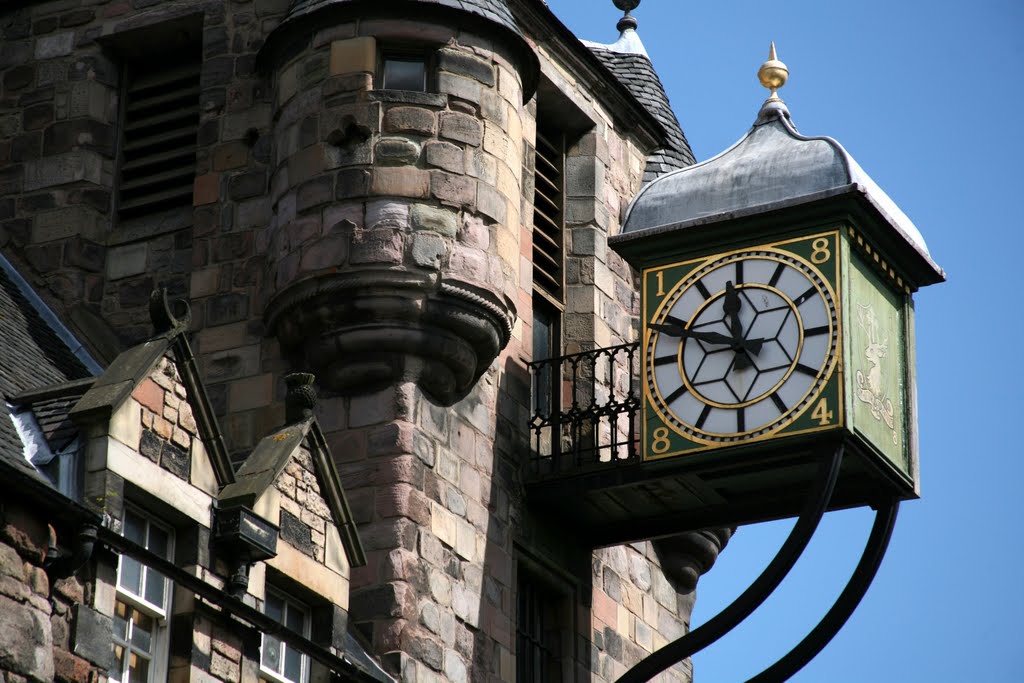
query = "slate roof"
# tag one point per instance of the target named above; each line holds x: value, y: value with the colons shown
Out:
x: 32, y: 355
x: 492, y: 10
x: 636, y: 72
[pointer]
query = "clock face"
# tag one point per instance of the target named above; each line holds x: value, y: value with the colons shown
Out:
x: 742, y: 345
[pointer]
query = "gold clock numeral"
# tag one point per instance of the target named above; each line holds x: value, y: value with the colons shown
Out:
x: 660, y: 443
x: 661, y: 283
x: 821, y: 413
x: 820, y: 251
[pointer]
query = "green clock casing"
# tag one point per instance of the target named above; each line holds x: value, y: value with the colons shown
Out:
x: 742, y: 346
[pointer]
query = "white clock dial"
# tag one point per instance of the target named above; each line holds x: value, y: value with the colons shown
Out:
x: 741, y: 346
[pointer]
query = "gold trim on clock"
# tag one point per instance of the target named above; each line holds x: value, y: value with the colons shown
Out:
x: 831, y: 365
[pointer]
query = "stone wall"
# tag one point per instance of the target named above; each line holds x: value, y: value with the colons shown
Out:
x: 306, y: 173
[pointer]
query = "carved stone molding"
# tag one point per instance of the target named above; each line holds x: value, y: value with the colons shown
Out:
x: 684, y: 558
x: 363, y: 330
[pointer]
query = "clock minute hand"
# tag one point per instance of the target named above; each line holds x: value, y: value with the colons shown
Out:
x: 682, y: 333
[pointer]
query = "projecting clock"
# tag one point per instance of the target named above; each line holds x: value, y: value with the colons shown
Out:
x: 741, y: 346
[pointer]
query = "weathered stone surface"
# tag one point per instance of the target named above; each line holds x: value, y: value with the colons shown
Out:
x: 427, y: 250
x: 63, y: 169
x: 445, y: 155
x: 410, y: 120
x: 461, y: 127
x: 397, y: 151
x: 465, y: 64
x: 439, y: 220
x: 57, y: 45
x: 92, y: 634
x: 453, y: 189
x: 26, y: 645
x: 401, y: 181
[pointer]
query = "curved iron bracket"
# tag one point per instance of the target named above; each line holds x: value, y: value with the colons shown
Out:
x: 742, y: 607
x: 835, y: 618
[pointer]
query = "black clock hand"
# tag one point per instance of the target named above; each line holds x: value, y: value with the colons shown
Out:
x: 751, y: 345
x: 731, y: 306
x: 682, y: 333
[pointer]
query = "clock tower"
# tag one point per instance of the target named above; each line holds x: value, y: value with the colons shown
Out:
x: 777, y: 320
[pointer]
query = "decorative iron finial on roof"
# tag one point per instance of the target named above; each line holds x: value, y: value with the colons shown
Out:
x: 773, y: 74
x: 627, y: 20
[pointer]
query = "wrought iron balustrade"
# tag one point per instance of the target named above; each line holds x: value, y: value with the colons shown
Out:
x: 585, y: 410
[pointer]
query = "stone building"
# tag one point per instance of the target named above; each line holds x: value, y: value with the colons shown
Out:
x: 409, y: 200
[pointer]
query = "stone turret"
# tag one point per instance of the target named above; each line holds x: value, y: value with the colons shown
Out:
x: 392, y: 248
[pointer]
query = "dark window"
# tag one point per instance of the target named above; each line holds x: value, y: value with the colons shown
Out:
x: 548, y: 263
x: 541, y: 632
x: 160, y: 119
x: 548, y: 210
x: 402, y: 71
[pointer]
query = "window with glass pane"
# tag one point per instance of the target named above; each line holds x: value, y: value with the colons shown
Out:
x: 142, y: 605
x: 134, y: 636
x: 405, y: 72
x: 278, y: 660
x: 136, y: 579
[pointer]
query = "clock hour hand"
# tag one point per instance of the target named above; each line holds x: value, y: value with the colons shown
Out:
x: 731, y: 306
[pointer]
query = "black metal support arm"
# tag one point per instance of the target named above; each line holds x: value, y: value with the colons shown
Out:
x: 759, y: 590
x: 835, y: 618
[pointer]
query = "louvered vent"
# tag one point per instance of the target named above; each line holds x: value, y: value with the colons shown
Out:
x: 158, y: 153
x: 548, y: 220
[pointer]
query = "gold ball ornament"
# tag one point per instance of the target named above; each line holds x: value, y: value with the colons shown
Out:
x: 773, y: 74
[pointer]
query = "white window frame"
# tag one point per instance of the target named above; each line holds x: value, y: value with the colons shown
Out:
x: 289, y: 604
x: 133, y: 601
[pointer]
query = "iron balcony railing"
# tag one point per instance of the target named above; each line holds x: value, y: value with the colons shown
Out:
x: 585, y: 410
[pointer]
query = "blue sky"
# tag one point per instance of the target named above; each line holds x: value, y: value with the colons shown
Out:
x: 927, y: 96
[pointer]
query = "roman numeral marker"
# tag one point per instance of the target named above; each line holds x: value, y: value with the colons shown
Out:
x: 702, y: 289
x: 779, y: 403
x: 815, y: 331
x: 665, y: 360
x: 777, y: 274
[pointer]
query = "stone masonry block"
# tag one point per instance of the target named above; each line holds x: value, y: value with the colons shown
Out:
x: 387, y: 214
x: 410, y: 120
x: 584, y: 175
x: 329, y: 252
x: 589, y: 242
x: 353, y: 182
x: 460, y: 87
x: 491, y: 203
x: 445, y: 155
x: 396, y: 150
x: 403, y: 181
x: 457, y: 190
x: 26, y: 640
x: 465, y: 64
x: 462, y: 128
x: 127, y: 260
x: 57, y: 45
x: 352, y: 55
x: 65, y: 168
x: 427, y: 250
x: 376, y: 246
x: 439, y: 220
x: 206, y: 189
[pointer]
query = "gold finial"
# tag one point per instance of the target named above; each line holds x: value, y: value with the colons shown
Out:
x: 773, y: 74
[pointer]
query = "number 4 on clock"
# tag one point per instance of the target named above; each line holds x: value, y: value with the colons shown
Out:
x: 821, y: 413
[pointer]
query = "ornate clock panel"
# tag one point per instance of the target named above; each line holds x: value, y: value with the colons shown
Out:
x: 741, y: 346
